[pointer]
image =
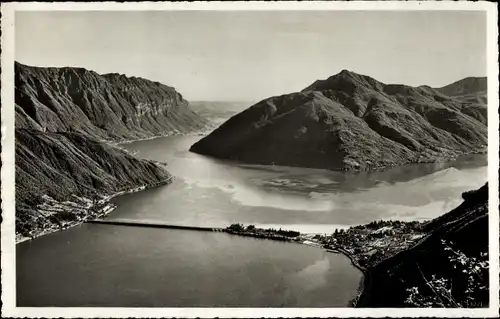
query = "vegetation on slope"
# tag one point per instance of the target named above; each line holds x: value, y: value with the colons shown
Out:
x: 62, y: 165
x: 351, y: 121
x: 110, y: 106
x: 63, y: 169
x: 448, y: 267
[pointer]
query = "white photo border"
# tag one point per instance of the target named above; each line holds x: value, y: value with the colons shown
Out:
x: 8, y: 261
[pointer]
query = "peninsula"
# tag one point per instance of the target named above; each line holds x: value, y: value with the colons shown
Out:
x: 438, y: 263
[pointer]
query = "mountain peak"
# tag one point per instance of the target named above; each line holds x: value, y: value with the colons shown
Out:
x: 350, y: 121
x: 345, y: 80
x: 345, y: 71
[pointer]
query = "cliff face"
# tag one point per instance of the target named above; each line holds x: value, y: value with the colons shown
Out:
x: 465, y: 228
x: 110, y: 106
x: 351, y: 121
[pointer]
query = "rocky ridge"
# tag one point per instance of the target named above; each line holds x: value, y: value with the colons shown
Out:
x: 352, y: 121
x: 66, y: 120
x: 109, y: 107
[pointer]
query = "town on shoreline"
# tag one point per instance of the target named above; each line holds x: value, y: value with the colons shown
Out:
x: 366, y: 245
x: 61, y: 215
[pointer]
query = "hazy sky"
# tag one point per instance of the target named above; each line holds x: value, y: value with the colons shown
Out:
x: 219, y: 55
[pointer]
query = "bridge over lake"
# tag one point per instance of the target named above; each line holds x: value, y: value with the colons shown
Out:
x: 153, y: 224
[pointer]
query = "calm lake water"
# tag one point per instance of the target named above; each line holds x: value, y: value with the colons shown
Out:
x: 103, y: 265
x: 212, y: 192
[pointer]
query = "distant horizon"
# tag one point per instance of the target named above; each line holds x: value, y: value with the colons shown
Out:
x: 251, y: 55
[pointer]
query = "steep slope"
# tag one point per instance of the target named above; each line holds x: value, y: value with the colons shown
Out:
x: 350, y: 121
x: 56, y: 167
x: 465, y: 228
x: 110, y: 106
x: 64, y: 170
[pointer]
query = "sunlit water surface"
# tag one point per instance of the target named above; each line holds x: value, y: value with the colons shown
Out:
x: 212, y: 192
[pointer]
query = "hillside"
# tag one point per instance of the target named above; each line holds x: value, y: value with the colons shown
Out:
x: 52, y: 168
x: 65, y: 171
x: 109, y: 106
x: 351, y: 121
x: 467, y: 86
x: 472, y: 91
x: 460, y: 235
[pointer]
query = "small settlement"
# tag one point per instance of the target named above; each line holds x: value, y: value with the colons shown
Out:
x: 366, y: 245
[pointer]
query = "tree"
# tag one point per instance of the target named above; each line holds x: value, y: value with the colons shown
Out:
x: 236, y: 227
x: 439, y: 292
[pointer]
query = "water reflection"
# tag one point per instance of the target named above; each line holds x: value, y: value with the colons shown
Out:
x: 213, y: 192
x: 116, y: 266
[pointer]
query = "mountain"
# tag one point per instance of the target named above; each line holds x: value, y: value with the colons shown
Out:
x: 467, y: 86
x: 65, y: 169
x: 461, y: 234
x: 472, y: 90
x: 53, y: 168
x: 351, y: 121
x: 109, y: 106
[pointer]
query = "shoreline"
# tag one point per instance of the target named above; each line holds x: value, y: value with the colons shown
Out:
x: 364, y: 245
x: 440, y: 158
x: 105, y: 210
x: 125, y: 142
x: 312, y: 243
x: 304, y: 240
x: 361, y: 286
x: 106, y: 198
x: 323, y: 242
x: 352, y: 169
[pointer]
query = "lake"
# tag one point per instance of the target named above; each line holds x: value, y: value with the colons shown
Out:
x: 103, y: 265
x: 212, y: 192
